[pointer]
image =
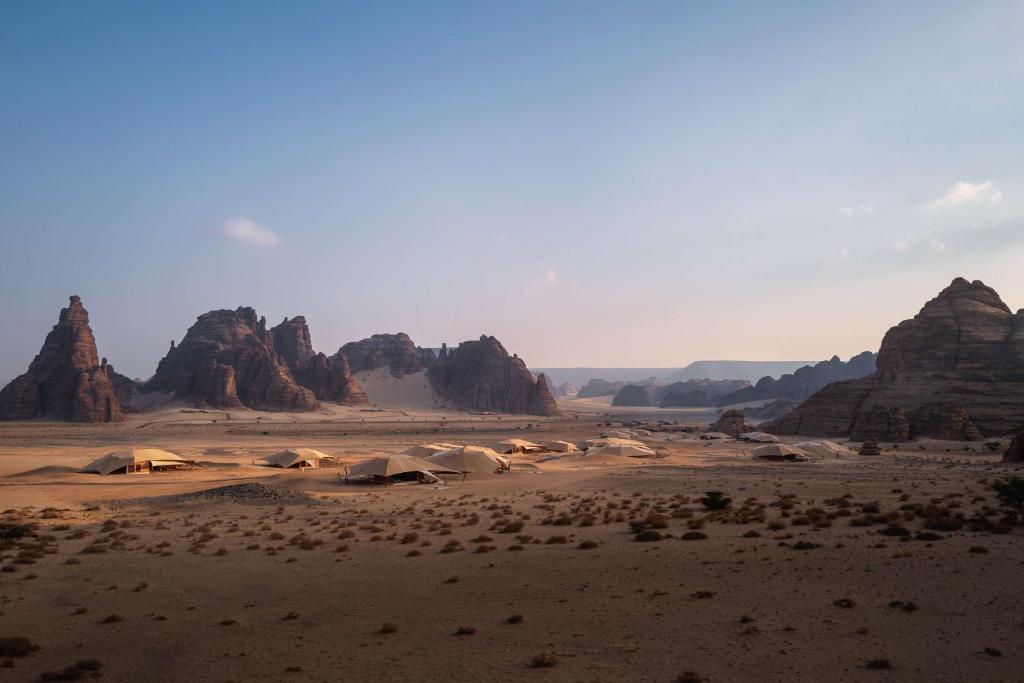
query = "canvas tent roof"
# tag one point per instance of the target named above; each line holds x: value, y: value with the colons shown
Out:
x: 822, y: 449
x: 516, y: 446
x: 714, y: 435
x: 473, y: 459
x: 758, y: 437
x: 623, y: 450
x: 425, y: 450
x: 612, y: 441
x: 778, y: 450
x: 391, y: 465
x: 154, y: 457
x: 561, y: 446
x: 296, y: 457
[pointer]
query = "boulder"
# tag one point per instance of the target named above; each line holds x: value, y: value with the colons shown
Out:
x: 1015, y: 451
x: 953, y: 371
x: 481, y: 375
x: 66, y: 380
x: 227, y: 359
x: 394, y: 351
x: 731, y: 422
x: 330, y: 379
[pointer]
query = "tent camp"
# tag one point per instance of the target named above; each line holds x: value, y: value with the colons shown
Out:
x: 561, y: 446
x: 612, y: 441
x: 397, y: 468
x: 780, y: 452
x: 822, y: 449
x: 298, y: 458
x: 426, y: 450
x: 757, y: 437
x: 516, y: 446
x: 470, y: 459
x: 138, y: 460
x: 714, y: 436
x: 622, y: 450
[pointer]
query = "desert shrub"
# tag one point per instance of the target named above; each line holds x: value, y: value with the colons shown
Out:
x: 1011, y: 495
x: 387, y: 628
x: 543, y: 661
x: 11, y: 532
x: 80, y: 669
x: 694, y: 536
x: 17, y: 646
x: 715, y: 500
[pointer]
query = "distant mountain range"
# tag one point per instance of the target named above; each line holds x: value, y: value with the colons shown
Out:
x: 750, y: 370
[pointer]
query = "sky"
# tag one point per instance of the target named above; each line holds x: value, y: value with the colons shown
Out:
x: 594, y: 183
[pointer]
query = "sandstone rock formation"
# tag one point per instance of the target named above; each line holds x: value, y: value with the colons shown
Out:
x: 692, y: 393
x: 227, y: 359
x: 731, y: 422
x: 1015, y: 451
x: 481, y: 375
x: 567, y: 389
x: 599, y: 387
x: 869, y: 447
x: 635, y: 395
x: 772, y: 410
x: 798, y: 385
x: 953, y: 371
x: 66, y: 380
x: 395, y: 351
x: 330, y: 379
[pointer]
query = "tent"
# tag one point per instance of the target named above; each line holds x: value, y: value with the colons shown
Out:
x: 516, y: 446
x: 136, y: 460
x: 561, y: 446
x: 397, y: 467
x: 470, y: 459
x: 612, y: 441
x: 714, y: 436
x: 625, y: 434
x: 758, y: 437
x: 822, y: 449
x: 297, y: 457
x: 622, y: 450
x: 780, y: 452
x: 427, y: 449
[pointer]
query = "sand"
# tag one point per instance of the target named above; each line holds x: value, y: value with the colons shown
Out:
x: 409, y: 392
x: 156, y: 582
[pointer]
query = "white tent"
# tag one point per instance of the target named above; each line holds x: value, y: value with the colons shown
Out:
x: 427, y: 449
x: 780, y: 451
x: 516, y: 446
x: 822, y: 449
x: 758, y: 437
x: 397, y: 467
x: 561, y: 446
x: 623, y: 450
x: 612, y: 441
x: 297, y: 457
x: 714, y: 436
x: 470, y: 459
x: 136, y: 460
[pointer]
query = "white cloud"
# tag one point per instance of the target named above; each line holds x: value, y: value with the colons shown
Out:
x: 901, y: 245
x: 548, y: 279
x: 844, y: 253
x: 864, y: 209
x: 938, y: 245
x: 249, y: 232
x: 964, y: 192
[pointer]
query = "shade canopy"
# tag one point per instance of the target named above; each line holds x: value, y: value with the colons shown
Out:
x: 822, y: 449
x: 425, y: 450
x: 516, y: 446
x: 612, y: 441
x: 758, y: 437
x: 136, y: 459
x: 393, y: 465
x: 469, y: 459
x: 623, y: 450
x: 297, y: 457
x: 714, y: 436
x: 561, y: 446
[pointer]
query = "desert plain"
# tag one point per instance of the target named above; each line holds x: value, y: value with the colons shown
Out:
x: 851, y: 568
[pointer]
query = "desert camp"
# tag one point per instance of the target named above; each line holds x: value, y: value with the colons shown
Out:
x: 780, y: 452
x: 298, y: 458
x: 397, y: 469
x: 138, y: 461
x: 470, y: 460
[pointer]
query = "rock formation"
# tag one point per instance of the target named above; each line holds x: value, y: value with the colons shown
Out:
x: 1015, y: 451
x: 731, y: 422
x: 953, y: 371
x: 869, y: 447
x: 395, y: 351
x: 635, y: 395
x: 567, y: 389
x: 772, y: 410
x: 330, y: 379
x: 66, y: 380
x: 692, y: 393
x: 481, y: 375
x: 226, y: 360
x: 599, y: 387
x: 798, y: 385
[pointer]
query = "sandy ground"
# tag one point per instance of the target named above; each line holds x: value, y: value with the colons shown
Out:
x: 406, y: 392
x: 490, y: 578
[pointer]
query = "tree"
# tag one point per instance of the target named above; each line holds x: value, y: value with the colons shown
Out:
x: 1011, y: 495
x: 715, y: 500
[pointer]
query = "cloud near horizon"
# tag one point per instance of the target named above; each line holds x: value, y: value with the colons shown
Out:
x: 536, y: 285
x: 248, y: 231
x: 965, y: 192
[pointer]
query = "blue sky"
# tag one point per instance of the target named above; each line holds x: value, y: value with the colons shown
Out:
x: 620, y: 184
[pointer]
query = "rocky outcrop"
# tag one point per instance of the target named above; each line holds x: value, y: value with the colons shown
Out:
x: 66, y: 380
x: 798, y: 385
x: 330, y: 379
x: 567, y: 389
x: 635, y: 395
x: 226, y: 360
x: 599, y: 387
x: 395, y: 351
x: 953, y: 371
x: 731, y: 422
x: 481, y: 375
x: 692, y: 393
x: 772, y: 410
x: 1015, y: 451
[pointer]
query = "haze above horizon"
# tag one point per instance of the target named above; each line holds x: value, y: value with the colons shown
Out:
x: 595, y: 184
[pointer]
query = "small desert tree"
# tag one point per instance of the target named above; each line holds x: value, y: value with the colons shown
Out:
x: 10, y: 532
x: 1011, y: 495
x: 715, y: 500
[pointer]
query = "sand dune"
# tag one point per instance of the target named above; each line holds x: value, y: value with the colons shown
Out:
x: 406, y: 392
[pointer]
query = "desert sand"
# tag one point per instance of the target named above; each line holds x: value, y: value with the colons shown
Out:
x: 532, y: 575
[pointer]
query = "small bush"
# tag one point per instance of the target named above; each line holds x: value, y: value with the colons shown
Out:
x: 387, y: 628
x: 543, y: 661
x: 17, y: 647
x: 77, y: 671
x: 715, y: 500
